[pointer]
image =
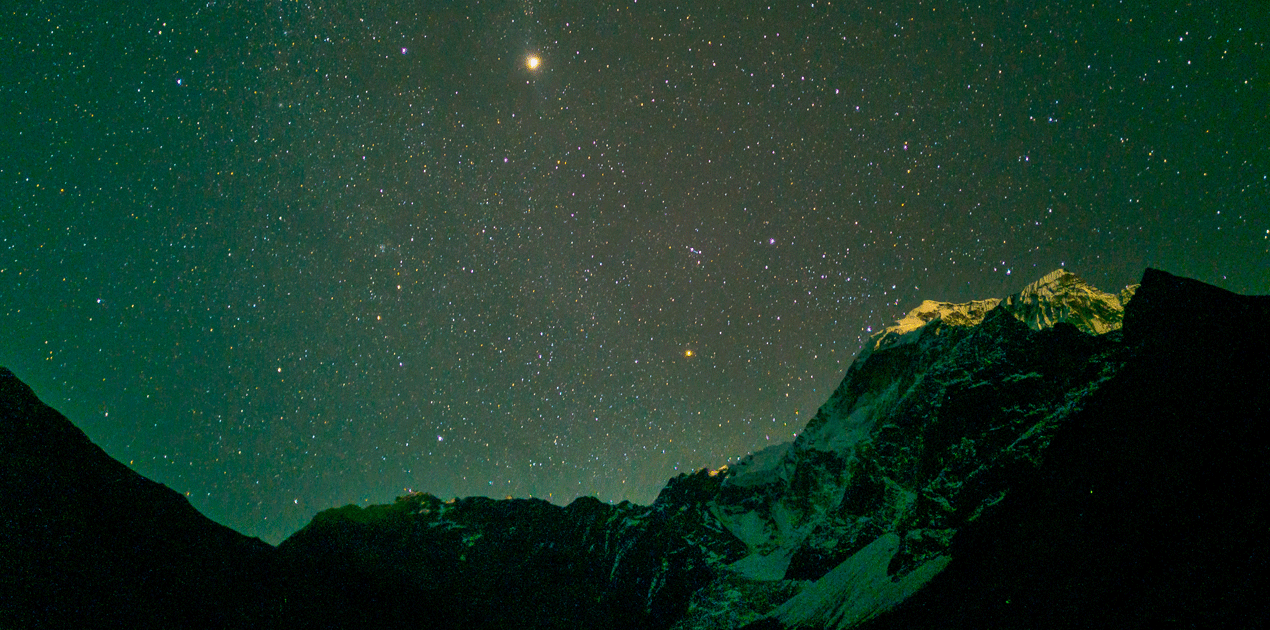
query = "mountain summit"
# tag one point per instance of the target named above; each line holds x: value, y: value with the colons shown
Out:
x: 932, y: 423
x: 1058, y: 297
x: 1062, y: 457
x: 1061, y: 296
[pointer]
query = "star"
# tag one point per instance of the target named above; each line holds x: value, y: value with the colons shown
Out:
x: 672, y: 161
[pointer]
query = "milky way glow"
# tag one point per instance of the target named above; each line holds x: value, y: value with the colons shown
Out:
x: 363, y: 253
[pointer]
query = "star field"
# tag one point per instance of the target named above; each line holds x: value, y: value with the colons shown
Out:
x: 291, y: 255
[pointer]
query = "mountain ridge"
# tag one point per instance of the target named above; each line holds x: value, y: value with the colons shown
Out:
x: 925, y: 489
x: 900, y: 439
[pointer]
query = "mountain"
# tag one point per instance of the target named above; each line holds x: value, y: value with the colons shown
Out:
x: 928, y: 431
x: 521, y: 563
x: 1151, y: 509
x: 1061, y: 457
x: 85, y: 542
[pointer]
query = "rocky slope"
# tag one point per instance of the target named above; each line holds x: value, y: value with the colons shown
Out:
x: 1022, y: 462
x: 929, y: 429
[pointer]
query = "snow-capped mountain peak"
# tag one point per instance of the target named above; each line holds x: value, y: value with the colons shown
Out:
x: 920, y: 438
x: 1061, y: 296
x: 910, y: 327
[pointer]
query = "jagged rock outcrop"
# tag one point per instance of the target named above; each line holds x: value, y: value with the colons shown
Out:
x: 1061, y: 296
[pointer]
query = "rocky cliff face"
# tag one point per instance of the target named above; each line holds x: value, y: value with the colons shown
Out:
x: 927, y: 432
x: 1062, y: 457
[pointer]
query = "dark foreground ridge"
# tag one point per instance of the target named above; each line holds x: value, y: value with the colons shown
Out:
x: 85, y: 542
x: 1022, y: 463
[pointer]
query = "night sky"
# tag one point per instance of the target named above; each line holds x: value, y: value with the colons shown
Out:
x: 285, y: 256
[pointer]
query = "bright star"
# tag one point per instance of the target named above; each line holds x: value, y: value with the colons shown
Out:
x: 532, y: 62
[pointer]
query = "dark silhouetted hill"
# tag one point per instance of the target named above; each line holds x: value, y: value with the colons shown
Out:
x: 85, y: 542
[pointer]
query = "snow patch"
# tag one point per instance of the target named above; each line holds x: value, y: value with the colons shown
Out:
x: 764, y: 567
x: 749, y: 526
x: 761, y: 468
x: 1061, y: 296
x: 843, y: 432
x: 857, y: 590
x: 909, y: 328
x: 957, y: 314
